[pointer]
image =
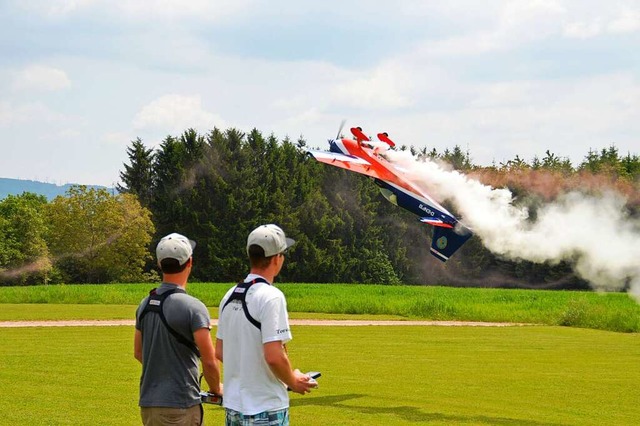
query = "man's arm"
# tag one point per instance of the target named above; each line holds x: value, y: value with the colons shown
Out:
x: 278, y: 361
x: 219, y: 350
x: 137, y: 346
x: 210, y: 367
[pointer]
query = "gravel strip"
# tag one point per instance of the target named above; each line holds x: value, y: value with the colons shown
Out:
x: 344, y: 323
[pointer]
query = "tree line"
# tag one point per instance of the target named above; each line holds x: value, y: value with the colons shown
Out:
x: 216, y: 187
x: 86, y: 236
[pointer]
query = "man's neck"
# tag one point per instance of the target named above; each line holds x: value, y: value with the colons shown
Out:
x: 178, y: 279
x: 264, y: 273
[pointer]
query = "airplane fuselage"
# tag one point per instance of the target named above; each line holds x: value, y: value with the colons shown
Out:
x: 397, y: 189
x: 364, y: 156
x: 414, y: 203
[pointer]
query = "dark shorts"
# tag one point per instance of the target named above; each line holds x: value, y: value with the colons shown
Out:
x: 267, y: 418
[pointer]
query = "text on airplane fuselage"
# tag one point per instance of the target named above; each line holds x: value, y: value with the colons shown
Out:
x: 426, y: 209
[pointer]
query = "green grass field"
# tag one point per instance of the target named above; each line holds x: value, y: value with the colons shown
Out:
x: 408, y: 375
x: 611, y: 311
x: 376, y: 375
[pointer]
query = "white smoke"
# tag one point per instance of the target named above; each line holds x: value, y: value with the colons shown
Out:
x: 593, y: 232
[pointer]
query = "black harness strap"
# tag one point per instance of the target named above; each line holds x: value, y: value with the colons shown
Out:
x: 240, y: 293
x: 154, y: 304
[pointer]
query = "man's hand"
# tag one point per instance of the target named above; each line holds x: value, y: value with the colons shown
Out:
x: 302, y: 383
x: 211, y: 398
x: 276, y: 357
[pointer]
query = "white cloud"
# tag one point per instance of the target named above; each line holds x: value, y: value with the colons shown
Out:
x: 514, y: 24
x: 583, y: 30
x: 627, y: 22
x: 521, y: 22
x: 30, y: 112
x: 425, y: 84
x: 117, y: 138
x: 501, y: 120
x: 613, y: 20
x: 382, y: 88
x: 206, y: 10
x: 531, y: 18
x: 171, y: 113
x: 41, y: 77
x: 54, y: 8
x: 305, y: 118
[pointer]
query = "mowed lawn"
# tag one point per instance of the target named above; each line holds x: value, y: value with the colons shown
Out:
x: 373, y: 375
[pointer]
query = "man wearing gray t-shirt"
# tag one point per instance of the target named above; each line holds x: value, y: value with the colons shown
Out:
x: 172, y: 332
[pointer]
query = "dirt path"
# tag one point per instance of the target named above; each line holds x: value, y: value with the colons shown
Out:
x: 346, y: 323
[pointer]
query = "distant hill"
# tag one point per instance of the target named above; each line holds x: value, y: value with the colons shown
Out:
x: 50, y: 190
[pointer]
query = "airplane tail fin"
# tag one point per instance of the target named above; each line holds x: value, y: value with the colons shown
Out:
x: 384, y: 137
x: 447, y: 240
x: 357, y: 132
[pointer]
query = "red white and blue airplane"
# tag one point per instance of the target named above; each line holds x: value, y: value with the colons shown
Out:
x: 364, y: 156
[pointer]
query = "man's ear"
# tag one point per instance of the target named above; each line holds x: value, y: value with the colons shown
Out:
x: 274, y: 260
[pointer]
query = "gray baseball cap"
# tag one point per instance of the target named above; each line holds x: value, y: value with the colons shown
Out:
x: 175, y: 246
x: 271, y: 238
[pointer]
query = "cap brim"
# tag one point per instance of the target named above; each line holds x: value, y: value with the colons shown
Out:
x: 290, y: 242
x: 193, y: 244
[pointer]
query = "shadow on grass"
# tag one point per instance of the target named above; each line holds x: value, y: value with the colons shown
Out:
x: 408, y: 413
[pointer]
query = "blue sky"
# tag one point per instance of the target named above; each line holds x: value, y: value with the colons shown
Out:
x: 80, y: 79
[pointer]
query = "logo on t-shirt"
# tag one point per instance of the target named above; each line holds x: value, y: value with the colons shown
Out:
x: 282, y: 331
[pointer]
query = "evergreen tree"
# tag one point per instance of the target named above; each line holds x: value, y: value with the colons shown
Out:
x: 554, y: 163
x: 137, y: 177
x: 610, y: 163
x: 631, y: 165
x: 168, y: 173
x: 457, y: 158
x: 515, y: 165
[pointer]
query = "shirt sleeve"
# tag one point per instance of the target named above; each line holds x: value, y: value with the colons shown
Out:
x: 138, y: 312
x: 200, y: 318
x: 219, y: 332
x: 275, y: 320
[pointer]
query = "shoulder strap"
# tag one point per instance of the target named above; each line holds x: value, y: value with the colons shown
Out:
x: 240, y: 293
x: 154, y: 304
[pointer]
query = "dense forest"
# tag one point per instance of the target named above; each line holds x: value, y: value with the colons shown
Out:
x: 216, y: 187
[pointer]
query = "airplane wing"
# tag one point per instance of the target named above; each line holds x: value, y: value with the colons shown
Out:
x: 347, y: 162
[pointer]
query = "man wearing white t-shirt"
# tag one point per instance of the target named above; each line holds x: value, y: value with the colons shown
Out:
x: 253, y: 327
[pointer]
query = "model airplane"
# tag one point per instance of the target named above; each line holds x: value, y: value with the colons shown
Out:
x: 363, y: 155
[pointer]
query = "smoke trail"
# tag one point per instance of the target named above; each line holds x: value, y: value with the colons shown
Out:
x: 44, y: 263
x: 40, y: 264
x: 592, y: 232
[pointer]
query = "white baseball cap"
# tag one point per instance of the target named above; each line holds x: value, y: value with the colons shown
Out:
x: 271, y: 238
x: 175, y: 246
